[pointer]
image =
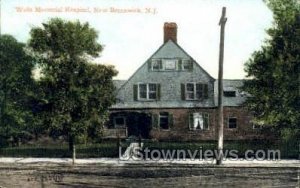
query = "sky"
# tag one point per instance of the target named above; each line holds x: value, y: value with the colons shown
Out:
x: 132, y: 30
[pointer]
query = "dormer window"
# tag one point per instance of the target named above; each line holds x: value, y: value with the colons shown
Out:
x: 229, y: 93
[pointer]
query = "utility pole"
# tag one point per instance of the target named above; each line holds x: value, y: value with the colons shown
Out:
x: 222, y: 23
x: 0, y: 18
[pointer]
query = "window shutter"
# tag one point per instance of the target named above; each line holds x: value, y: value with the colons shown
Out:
x: 150, y: 65
x: 190, y: 120
x: 179, y: 64
x: 158, y: 92
x: 182, y: 91
x: 135, y: 92
x: 160, y: 64
x: 191, y: 65
x: 227, y: 121
x: 155, y: 121
x: 205, y: 121
x: 170, y: 120
x: 199, y: 90
x: 205, y: 91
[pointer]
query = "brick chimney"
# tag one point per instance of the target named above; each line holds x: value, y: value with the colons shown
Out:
x: 170, y: 31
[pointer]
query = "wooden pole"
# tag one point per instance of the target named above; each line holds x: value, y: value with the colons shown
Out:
x: 220, y: 89
x: 0, y: 18
x: 73, y: 155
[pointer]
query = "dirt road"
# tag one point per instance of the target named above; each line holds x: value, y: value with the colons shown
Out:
x: 144, y: 175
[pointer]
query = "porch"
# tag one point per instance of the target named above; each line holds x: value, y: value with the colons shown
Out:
x: 124, y: 124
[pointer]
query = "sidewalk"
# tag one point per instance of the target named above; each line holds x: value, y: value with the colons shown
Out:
x: 118, y: 162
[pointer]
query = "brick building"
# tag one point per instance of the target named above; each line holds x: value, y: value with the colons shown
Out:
x: 171, y: 97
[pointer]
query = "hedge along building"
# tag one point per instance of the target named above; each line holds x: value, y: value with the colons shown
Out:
x: 171, y: 97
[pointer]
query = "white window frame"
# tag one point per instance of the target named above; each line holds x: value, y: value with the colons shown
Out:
x: 175, y: 61
x: 147, y: 91
x: 194, y: 91
x: 202, y: 114
x: 139, y: 94
x: 161, y: 63
x: 151, y: 92
x: 232, y: 117
x: 119, y: 126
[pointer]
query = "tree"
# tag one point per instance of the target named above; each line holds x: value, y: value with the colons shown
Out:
x: 15, y: 88
x: 275, y: 72
x: 76, y: 93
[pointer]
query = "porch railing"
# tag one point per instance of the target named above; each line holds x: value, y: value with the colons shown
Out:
x: 115, y: 133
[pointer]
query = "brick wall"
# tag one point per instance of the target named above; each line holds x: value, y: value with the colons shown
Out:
x: 180, y: 131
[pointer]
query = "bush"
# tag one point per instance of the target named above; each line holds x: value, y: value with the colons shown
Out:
x: 110, y: 148
x: 287, y: 149
x: 82, y: 151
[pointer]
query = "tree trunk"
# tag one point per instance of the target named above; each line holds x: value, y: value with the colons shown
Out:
x: 71, y: 142
x: 72, y: 148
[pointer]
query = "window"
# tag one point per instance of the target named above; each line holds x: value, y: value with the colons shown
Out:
x: 156, y: 64
x: 199, y: 121
x: 186, y: 64
x: 142, y: 91
x: 232, y: 123
x: 195, y: 91
x: 229, y: 93
x: 190, y: 91
x: 148, y: 91
x: 119, y: 121
x: 152, y: 91
x: 164, y: 120
x: 170, y: 64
